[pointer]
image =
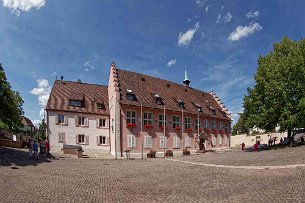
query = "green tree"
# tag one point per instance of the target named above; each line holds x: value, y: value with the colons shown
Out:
x: 42, y: 130
x: 240, y: 127
x: 278, y: 96
x: 11, y: 105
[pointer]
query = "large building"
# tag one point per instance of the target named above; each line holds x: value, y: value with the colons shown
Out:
x: 140, y: 113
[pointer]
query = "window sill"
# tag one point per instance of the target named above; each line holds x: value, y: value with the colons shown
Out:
x: 103, y: 145
x: 102, y: 127
x: 82, y: 126
x: 62, y: 124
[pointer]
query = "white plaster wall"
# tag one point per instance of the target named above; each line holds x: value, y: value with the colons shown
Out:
x: 249, y: 141
x: 71, y: 130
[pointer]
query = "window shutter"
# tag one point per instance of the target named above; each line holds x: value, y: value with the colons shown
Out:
x: 129, y: 144
x: 56, y: 118
x: 165, y: 142
x: 133, y: 141
x: 59, y: 137
x: 87, y: 122
x: 175, y: 142
x: 98, y: 140
x: 63, y: 138
x: 107, y: 140
x: 87, y: 139
x: 76, y: 121
x: 97, y: 123
x: 76, y: 139
x: 66, y: 119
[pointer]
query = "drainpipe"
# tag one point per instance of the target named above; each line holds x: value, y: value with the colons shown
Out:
x: 164, y: 130
x: 182, y: 128
x: 142, y: 131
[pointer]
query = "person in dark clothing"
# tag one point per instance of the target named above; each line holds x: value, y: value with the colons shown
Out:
x: 47, y: 146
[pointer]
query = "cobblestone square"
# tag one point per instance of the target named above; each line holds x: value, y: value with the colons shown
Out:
x: 196, y: 178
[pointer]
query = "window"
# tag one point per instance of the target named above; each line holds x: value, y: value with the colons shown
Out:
x: 197, y: 124
x: 100, y: 106
x: 147, y: 118
x: 220, y: 125
x: 131, y: 97
x: 163, y: 141
x: 81, y: 139
x: 159, y: 101
x: 131, y: 141
x: 226, y: 127
x: 61, y: 137
x: 187, y: 141
x: 206, y: 124
x: 213, y: 125
x: 161, y: 121
x: 220, y: 140
x: 147, y: 142
x: 176, y: 142
x: 75, y: 103
x: 176, y: 122
x: 187, y: 123
x: 81, y: 121
x: 61, y: 118
x: 102, y: 140
x: 102, y: 123
x: 131, y: 117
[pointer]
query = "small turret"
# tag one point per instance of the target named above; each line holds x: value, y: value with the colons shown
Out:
x: 186, y: 80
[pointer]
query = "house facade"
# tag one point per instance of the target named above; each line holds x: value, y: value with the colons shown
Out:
x: 78, y: 113
x: 149, y: 113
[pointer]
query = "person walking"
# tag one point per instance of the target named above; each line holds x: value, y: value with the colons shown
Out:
x: 30, y: 147
x: 47, y: 146
x: 243, y: 146
x: 35, y: 146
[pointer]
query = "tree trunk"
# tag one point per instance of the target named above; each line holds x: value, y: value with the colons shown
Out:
x: 289, y: 133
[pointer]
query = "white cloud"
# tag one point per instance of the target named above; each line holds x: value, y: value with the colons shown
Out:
x: 34, y: 74
x: 23, y: 5
x: 42, y: 91
x: 227, y: 18
x: 241, y: 32
x: 171, y: 62
x: 207, y: 8
x: 188, y: 20
x: 36, y: 123
x: 222, y: 7
x: 200, y: 3
x: 54, y: 74
x: 253, y: 14
x: 88, y: 66
x: 184, y: 39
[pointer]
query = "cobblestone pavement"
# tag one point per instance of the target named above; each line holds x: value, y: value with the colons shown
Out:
x: 152, y: 180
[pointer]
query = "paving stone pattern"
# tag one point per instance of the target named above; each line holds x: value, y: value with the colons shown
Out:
x: 152, y: 180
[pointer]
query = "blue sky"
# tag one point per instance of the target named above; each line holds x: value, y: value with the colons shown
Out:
x: 219, y: 42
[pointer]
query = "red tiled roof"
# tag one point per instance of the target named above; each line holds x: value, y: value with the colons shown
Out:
x: 27, y: 122
x: 63, y: 91
x: 144, y: 87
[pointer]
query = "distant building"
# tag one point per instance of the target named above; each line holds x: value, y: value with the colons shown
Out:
x: 27, y: 131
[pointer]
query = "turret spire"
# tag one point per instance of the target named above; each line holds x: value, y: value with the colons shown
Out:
x: 186, y: 80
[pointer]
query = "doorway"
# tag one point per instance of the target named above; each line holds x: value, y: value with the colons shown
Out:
x: 201, y: 144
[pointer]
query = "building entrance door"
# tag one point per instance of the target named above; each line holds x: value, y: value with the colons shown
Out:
x: 201, y: 144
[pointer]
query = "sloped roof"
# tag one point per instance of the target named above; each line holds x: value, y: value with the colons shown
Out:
x: 144, y: 87
x: 26, y: 122
x: 63, y: 92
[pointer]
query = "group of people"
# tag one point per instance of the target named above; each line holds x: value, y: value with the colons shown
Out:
x: 34, y: 145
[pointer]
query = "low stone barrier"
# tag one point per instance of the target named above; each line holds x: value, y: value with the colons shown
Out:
x: 9, y: 143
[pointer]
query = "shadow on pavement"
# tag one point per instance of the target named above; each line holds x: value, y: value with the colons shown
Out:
x: 17, y: 157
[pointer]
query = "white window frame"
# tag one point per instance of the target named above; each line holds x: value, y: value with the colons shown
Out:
x: 131, y: 141
x: 82, y: 121
x: 196, y: 124
x: 163, y: 142
x: 176, y: 121
x: 61, y: 118
x: 187, y: 122
x: 99, y: 123
x: 220, y: 141
x: 187, y: 141
x: 213, y: 140
x: 131, y: 118
x: 148, y: 141
x: 176, y: 142
x: 220, y: 125
x: 100, y: 138
x: 206, y: 124
x: 214, y: 125
x: 161, y: 121
x: 147, y: 118
x: 61, y: 137
x: 79, y: 138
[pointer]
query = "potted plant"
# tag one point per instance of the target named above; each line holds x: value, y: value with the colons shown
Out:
x: 130, y: 125
x: 177, y: 128
x: 215, y: 131
x: 169, y: 152
x: 189, y: 130
x: 207, y: 130
x: 147, y: 126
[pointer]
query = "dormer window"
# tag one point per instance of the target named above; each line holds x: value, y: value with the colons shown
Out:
x: 199, y: 108
x: 159, y: 100
x: 180, y: 103
x: 77, y: 103
x: 212, y: 110
x: 130, y: 95
x: 100, y: 106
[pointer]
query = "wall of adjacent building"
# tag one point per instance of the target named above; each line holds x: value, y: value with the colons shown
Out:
x: 71, y: 130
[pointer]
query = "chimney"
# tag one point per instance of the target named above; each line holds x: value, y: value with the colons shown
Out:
x: 61, y: 78
x: 79, y: 81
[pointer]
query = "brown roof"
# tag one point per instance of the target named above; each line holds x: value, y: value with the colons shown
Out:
x: 63, y: 92
x: 145, y: 87
x: 27, y: 122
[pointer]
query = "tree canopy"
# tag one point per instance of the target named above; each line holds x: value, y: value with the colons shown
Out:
x: 10, y: 103
x: 278, y: 96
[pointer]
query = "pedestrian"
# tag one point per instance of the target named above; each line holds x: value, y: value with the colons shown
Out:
x: 255, y: 147
x: 30, y: 147
x: 243, y: 146
x: 35, y: 146
x: 270, y: 142
x: 274, y: 139
x: 47, y: 149
x: 281, y: 141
